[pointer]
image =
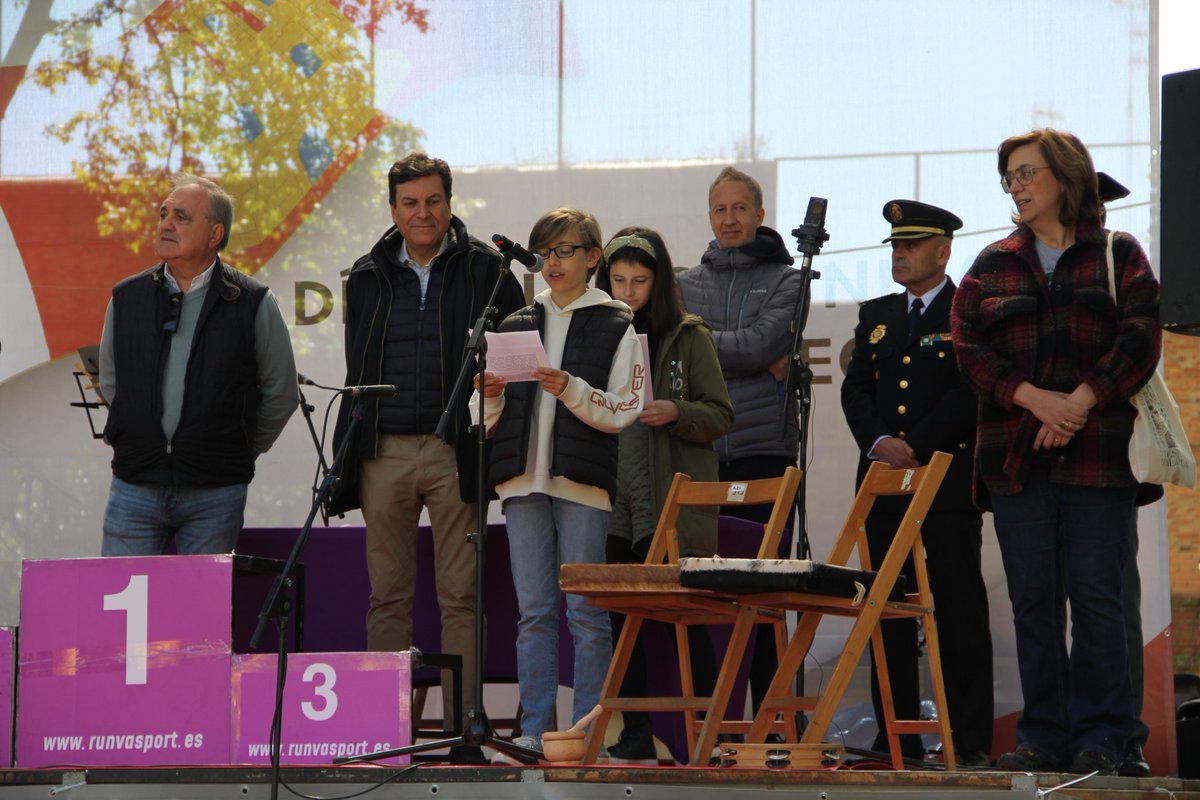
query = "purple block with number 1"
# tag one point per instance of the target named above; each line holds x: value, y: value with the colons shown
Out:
x: 125, y: 661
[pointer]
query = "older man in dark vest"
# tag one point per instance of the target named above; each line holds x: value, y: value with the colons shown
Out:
x: 196, y: 364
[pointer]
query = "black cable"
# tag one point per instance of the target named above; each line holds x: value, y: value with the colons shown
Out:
x: 398, y: 773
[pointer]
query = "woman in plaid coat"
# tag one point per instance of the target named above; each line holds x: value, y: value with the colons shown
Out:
x: 1055, y: 360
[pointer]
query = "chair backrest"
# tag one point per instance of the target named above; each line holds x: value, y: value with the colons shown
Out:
x: 778, y: 492
x: 882, y: 480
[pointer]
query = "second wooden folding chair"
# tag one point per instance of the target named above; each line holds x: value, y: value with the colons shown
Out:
x: 873, y: 602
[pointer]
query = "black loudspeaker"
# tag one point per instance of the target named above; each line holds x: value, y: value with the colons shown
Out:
x: 1179, y: 266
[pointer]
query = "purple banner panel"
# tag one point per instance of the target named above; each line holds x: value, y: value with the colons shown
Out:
x: 6, y: 696
x: 124, y: 661
x: 334, y: 704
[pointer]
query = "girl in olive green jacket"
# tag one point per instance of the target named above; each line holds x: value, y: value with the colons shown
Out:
x: 690, y: 407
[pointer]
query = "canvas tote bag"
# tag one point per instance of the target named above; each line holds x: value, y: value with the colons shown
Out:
x: 1159, y: 451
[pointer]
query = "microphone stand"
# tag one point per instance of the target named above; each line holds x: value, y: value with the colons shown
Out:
x: 797, y: 381
x: 278, y: 607
x: 478, y: 730
x: 308, y: 410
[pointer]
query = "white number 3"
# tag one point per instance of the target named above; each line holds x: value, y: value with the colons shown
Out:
x: 323, y: 690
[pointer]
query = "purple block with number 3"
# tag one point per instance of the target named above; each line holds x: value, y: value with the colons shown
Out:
x: 334, y: 705
x: 125, y: 661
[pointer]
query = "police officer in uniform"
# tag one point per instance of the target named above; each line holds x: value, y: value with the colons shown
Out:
x: 904, y: 399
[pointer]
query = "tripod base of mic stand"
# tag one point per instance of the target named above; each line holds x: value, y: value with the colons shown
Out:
x: 478, y: 733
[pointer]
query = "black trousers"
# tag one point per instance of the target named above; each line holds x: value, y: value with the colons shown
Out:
x: 1131, y: 600
x: 952, y: 554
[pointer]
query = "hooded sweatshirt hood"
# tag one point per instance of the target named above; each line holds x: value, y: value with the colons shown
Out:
x: 767, y: 246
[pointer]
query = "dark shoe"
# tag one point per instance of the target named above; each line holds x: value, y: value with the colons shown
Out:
x: 1086, y: 762
x: 1134, y: 765
x: 467, y: 755
x: 1026, y: 759
x: 634, y: 744
x: 974, y: 759
x: 911, y: 747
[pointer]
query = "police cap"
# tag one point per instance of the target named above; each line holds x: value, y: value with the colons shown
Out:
x: 913, y: 220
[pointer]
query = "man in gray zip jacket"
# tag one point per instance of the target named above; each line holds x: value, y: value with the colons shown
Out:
x: 746, y: 289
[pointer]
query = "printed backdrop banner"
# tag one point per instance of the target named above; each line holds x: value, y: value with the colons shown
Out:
x: 624, y: 108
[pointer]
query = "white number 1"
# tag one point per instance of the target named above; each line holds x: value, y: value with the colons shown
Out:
x: 134, y: 601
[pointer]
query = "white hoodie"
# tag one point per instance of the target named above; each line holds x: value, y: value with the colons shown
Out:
x: 612, y: 409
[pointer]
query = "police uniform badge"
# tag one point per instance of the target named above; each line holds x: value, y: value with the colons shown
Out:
x: 895, y: 212
x: 878, y: 333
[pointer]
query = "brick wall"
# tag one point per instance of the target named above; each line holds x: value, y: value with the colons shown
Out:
x: 1182, y: 355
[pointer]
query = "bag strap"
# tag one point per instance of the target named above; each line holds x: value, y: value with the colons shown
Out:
x: 1112, y: 283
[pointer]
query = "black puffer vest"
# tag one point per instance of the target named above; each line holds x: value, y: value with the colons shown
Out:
x: 412, y: 354
x: 580, y: 452
x: 212, y: 444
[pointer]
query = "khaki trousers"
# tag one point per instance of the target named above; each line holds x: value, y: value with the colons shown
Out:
x: 411, y: 473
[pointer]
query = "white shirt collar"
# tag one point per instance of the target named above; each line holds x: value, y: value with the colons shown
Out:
x: 405, y: 258
x: 927, y: 298
x: 198, y: 282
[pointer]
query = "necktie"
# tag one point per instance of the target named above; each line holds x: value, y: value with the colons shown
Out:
x: 914, y: 315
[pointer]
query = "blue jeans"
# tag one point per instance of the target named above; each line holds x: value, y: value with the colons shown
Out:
x: 141, y: 520
x: 1081, y: 700
x: 543, y: 533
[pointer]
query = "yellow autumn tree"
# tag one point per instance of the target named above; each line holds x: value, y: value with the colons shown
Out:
x: 275, y: 100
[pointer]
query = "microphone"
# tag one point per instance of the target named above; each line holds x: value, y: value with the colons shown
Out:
x: 532, y: 261
x: 814, y: 215
x: 383, y: 390
x: 811, y: 235
x: 305, y: 380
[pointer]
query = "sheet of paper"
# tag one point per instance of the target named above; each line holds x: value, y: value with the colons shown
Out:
x: 648, y: 386
x: 515, y: 354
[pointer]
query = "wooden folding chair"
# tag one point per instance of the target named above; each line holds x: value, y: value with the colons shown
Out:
x: 867, y: 610
x: 652, y: 591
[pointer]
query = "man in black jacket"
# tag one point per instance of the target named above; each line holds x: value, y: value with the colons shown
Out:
x: 904, y: 399
x: 410, y: 303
